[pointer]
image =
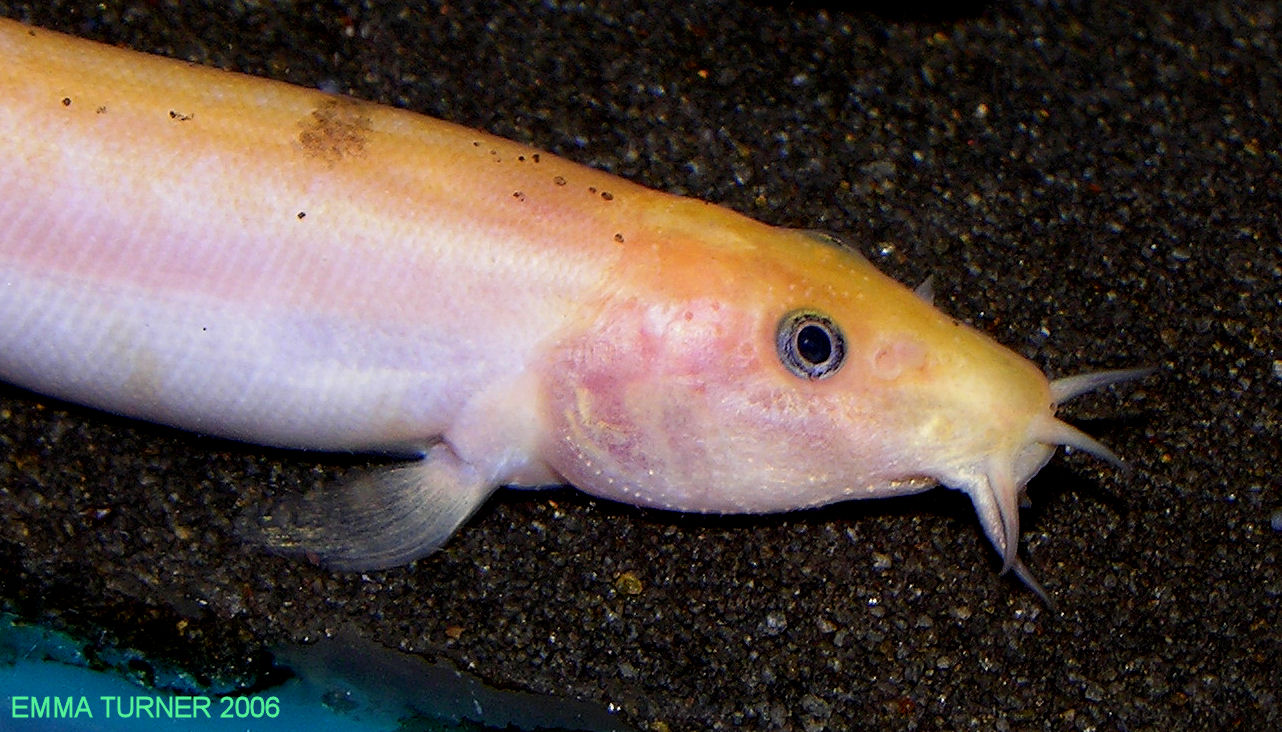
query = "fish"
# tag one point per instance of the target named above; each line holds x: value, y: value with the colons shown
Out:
x: 253, y: 260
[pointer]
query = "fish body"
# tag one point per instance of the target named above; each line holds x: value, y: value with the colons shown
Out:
x: 254, y: 260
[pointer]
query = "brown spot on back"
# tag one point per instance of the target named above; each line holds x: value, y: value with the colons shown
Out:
x: 335, y: 130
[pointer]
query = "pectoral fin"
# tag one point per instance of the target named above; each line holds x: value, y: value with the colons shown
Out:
x: 379, y: 519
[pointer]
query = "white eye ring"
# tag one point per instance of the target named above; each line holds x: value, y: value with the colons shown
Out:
x: 809, y: 344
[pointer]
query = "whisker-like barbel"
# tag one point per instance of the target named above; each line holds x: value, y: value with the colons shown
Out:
x: 1066, y: 388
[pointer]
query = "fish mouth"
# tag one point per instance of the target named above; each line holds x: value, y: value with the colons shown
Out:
x: 997, y: 486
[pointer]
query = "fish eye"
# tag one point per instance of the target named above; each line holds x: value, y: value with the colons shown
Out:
x: 809, y: 344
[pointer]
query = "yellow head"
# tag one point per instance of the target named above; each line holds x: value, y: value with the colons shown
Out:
x: 728, y: 366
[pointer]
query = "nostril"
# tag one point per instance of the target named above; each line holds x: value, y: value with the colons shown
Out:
x: 892, y: 359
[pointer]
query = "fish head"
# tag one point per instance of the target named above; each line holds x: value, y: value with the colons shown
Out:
x: 774, y: 370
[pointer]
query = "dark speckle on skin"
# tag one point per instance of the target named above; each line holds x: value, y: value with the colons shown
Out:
x: 335, y: 130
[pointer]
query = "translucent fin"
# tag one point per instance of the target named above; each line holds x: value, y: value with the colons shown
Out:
x: 926, y: 290
x: 379, y: 519
x: 1070, y: 386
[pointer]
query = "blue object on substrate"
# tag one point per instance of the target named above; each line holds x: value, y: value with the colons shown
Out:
x: 345, y: 684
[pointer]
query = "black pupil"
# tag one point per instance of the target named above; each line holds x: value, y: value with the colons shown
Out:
x: 813, y: 344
